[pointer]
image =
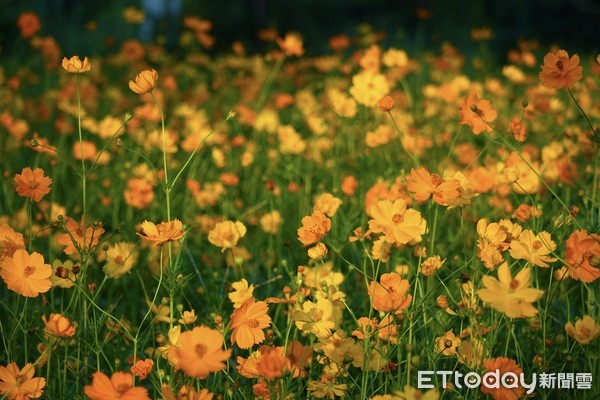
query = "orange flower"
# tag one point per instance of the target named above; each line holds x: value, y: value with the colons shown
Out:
x: 226, y: 234
x: 314, y: 228
x: 248, y: 322
x: 386, y: 103
x: 399, y: 224
x: 29, y: 24
x: 199, y: 352
x: 504, y: 365
x: 584, y: 331
x: 142, y: 368
x: 26, y: 273
x: 559, y: 71
x: 511, y: 296
x: 75, y: 66
x: 118, y: 386
x: 20, y: 384
x: 583, y: 256
x: 299, y: 357
x: 423, y: 185
x: 447, y: 344
x: 32, y: 184
x: 10, y: 241
x: 75, y: 231
x: 390, y: 295
x: 291, y: 45
x: 58, y: 325
x: 477, y: 114
x: 139, y: 193
x: 161, y: 233
x: 272, y: 362
x: 144, y: 81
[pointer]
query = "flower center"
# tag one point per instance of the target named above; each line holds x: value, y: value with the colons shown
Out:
x: 20, y: 379
x: 227, y: 236
x: 585, y: 331
x: 253, y: 323
x: 559, y: 65
x: 29, y: 270
x: 514, y: 284
x: 33, y: 184
x: 436, y: 179
x: 448, y: 343
x: 537, y: 244
x: 119, y: 259
x: 200, y: 350
x: 397, y: 218
x: 318, y: 315
x: 122, y: 388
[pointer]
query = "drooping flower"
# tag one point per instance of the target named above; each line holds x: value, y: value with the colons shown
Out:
x: 226, y: 234
x: 584, y: 331
x: 118, y: 386
x: 583, y: 256
x: 477, y: 114
x: 511, y: 296
x: 16, y: 383
x: 398, y: 224
x: 510, y: 391
x: 142, y: 368
x: 390, y: 294
x: 314, y: 228
x: 560, y: 71
x: 32, y: 184
x: 200, y: 352
x: 58, y: 325
x: 534, y: 248
x: 161, y: 233
x: 75, y: 66
x: 26, y: 274
x: 248, y: 322
x: 144, y: 81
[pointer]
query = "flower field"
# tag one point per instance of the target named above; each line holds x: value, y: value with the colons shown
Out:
x: 365, y: 224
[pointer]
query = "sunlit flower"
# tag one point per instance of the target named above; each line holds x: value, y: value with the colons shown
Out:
x: 58, y: 325
x: 511, y: 296
x: 19, y: 384
x: 188, y: 317
x: 584, y: 331
x: 118, y: 386
x: 559, y: 71
x: 144, y: 81
x: 447, y: 344
x: 142, y: 368
x: 477, y: 114
x: 314, y: 228
x: 271, y: 222
x: 317, y: 252
x: 423, y: 185
x: 504, y: 365
x: 368, y: 87
x: 317, y: 318
x: 226, y: 234
x: 73, y: 240
x: 291, y: 45
x: 10, y: 241
x: 26, y: 274
x: 583, y: 256
x: 161, y: 233
x: 241, y: 293
x: 62, y: 274
x: 431, y: 264
x: 199, y: 352
x: 248, y: 322
x: 33, y: 184
x: 327, y: 203
x: 534, y: 248
x: 390, y: 294
x: 120, y: 258
x: 75, y: 66
x: 399, y: 224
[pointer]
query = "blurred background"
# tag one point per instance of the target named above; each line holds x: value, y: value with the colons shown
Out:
x: 98, y: 27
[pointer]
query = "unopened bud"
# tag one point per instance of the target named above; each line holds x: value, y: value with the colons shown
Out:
x: 524, y: 103
x: 128, y: 117
x: 34, y: 143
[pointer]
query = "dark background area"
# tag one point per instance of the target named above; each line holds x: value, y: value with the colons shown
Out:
x: 573, y: 25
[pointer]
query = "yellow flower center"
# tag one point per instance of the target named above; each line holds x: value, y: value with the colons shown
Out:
x: 253, y: 323
x: 397, y: 218
x: 29, y: 270
x: 200, y: 350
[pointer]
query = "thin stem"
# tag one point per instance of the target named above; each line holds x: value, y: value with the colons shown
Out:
x: 413, y: 158
x: 583, y: 112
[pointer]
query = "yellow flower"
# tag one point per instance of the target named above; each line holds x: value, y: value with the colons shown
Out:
x: 291, y: 45
x: 188, y: 317
x: 318, y: 251
x: 144, y: 81
x: 447, y: 344
x: 584, y: 331
x: 368, y: 87
x: 75, y: 66
x: 161, y: 233
x: 511, y: 296
x: 534, y: 248
x: 226, y: 234
x: 120, y: 258
x: 241, y: 293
